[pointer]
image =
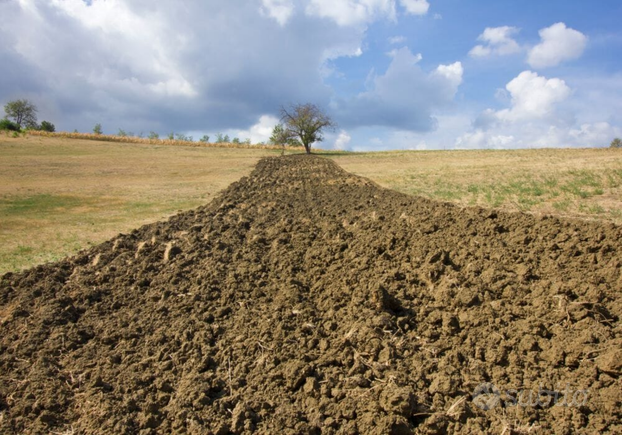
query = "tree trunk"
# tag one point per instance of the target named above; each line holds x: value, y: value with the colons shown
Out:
x: 307, y: 148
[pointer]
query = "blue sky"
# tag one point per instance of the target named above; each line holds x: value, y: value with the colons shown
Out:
x: 394, y: 74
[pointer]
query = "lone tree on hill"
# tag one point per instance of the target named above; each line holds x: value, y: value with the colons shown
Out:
x: 23, y: 112
x: 305, y: 122
x: 616, y: 143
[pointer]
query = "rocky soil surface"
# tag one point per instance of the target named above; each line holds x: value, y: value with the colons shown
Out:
x: 306, y: 300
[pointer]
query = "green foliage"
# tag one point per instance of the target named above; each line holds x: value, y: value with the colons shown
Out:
x: 616, y: 143
x: 171, y: 136
x: 235, y: 140
x: 226, y: 139
x: 204, y: 139
x: 8, y: 125
x: 184, y: 138
x: 23, y: 112
x: 153, y: 135
x: 47, y: 126
x: 97, y: 129
x: 122, y: 133
x: 282, y: 136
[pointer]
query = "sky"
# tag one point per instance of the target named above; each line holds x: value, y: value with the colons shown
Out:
x: 393, y: 74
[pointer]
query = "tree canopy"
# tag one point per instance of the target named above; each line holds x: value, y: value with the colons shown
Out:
x: 306, y: 122
x: 23, y: 112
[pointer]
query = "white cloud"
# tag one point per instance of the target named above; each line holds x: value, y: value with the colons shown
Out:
x: 532, y: 97
x: 536, y: 117
x: 261, y: 131
x: 352, y: 12
x: 453, y: 73
x: 280, y: 10
x: 558, y: 43
x: 540, y: 135
x: 405, y: 97
x: 396, y: 40
x: 141, y: 65
x: 497, y: 41
x: 343, y: 141
x: 416, y: 7
x: 597, y: 134
x: 480, y: 139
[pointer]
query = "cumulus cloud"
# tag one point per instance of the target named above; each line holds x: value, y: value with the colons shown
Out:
x: 497, y: 41
x: 405, y: 97
x: 558, y: 44
x: 532, y: 97
x: 536, y: 118
x: 540, y: 135
x: 280, y: 10
x: 352, y: 12
x: 415, y: 7
x: 261, y: 131
x: 343, y: 141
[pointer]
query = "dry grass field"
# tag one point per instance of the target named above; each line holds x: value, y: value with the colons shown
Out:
x: 577, y: 183
x: 58, y: 196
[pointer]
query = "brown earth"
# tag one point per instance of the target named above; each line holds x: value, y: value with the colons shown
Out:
x: 304, y: 299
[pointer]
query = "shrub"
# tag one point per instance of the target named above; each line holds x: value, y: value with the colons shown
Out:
x: 97, y: 129
x: 8, y: 125
x: 616, y: 143
x: 204, y: 139
x: 153, y: 135
x: 47, y: 126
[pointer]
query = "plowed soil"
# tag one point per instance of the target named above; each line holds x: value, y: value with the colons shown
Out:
x: 304, y: 299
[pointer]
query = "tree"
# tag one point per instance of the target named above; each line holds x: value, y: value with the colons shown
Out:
x: 23, y: 112
x: 281, y: 136
x: 204, y: 139
x: 47, y: 126
x: 153, y: 135
x: 97, y: 129
x: 122, y: 133
x: 306, y: 122
x: 616, y: 143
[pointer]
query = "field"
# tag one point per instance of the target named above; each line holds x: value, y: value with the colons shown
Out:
x: 580, y: 183
x: 58, y: 196
x: 307, y: 300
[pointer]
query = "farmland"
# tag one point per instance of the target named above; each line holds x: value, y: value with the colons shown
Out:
x: 58, y: 196
x: 305, y: 299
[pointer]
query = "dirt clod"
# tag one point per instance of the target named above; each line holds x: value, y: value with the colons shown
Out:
x: 304, y: 299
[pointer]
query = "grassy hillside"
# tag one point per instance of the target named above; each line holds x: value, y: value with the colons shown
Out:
x: 58, y: 196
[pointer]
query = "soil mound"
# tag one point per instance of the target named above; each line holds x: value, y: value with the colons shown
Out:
x: 307, y: 300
